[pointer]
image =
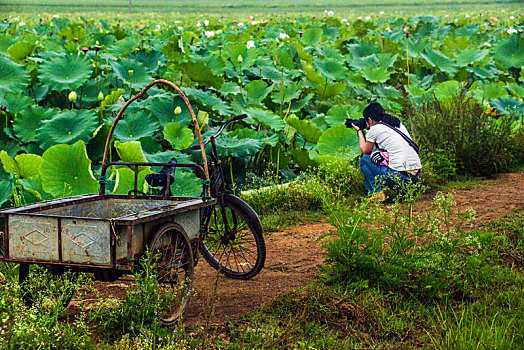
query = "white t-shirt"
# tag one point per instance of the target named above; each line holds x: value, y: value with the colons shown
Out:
x: 402, y: 157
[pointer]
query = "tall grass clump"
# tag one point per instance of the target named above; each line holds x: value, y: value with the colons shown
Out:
x: 456, y: 135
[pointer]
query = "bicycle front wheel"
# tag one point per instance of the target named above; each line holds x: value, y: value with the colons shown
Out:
x: 233, y: 241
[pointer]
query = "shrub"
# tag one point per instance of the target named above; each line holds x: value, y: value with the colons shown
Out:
x: 428, y: 256
x: 474, y: 141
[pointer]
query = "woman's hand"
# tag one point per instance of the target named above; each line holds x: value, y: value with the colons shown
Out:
x: 355, y: 127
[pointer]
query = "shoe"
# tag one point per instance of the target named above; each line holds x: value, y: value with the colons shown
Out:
x: 379, y: 197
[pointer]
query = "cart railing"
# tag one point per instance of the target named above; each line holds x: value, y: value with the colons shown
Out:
x: 120, y: 116
x: 135, y: 167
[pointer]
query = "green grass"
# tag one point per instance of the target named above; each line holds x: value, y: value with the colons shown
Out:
x: 286, y: 7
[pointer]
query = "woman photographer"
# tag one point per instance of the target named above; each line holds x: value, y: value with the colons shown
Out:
x: 397, y: 159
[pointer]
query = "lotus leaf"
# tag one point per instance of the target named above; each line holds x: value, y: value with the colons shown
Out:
x: 166, y: 156
x: 151, y: 60
x: 338, y: 114
x: 469, y: 56
x: 15, y: 102
x: 34, y: 186
x: 140, y: 76
x: 257, y: 90
x: 74, y: 32
x: 20, y: 50
x: 179, y: 137
x: 232, y: 51
x: 67, y: 127
x: 375, y: 75
x: 279, y: 157
x: 231, y: 146
x: 186, y: 184
x: 207, y: 99
x: 23, y: 166
x: 125, y: 180
x: 286, y: 93
x: 253, y: 134
x: 509, y: 52
x: 331, y: 69
x: 162, y: 108
x: 339, y: 141
x: 508, y: 106
x: 282, y: 59
x: 306, y: 129
x: 134, y: 126
x: 446, y: 89
x: 311, y: 36
x: 297, y: 105
x: 131, y: 152
x: 66, y: 171
x: 301, y: 158
x: 5, y: 191
x: 67, y: 72
x: 123, y: 47
x: 488, y: 92
x: 266, y: 118
x: 516, y: 90
x: 439, y: 60
x: 230, y: 88
x: 13, y: 76
x: 359, y: 63
x: 199, y: 72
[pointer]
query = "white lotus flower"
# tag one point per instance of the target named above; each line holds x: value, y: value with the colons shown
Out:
x: 381, y: 12
x: 180, y: 28
x: 446, y: 16
x: 359, y: 17
x: 250, y: 44
x: 251, y: 17
x: 331, y: 13
x: 511, y: 17
x: 56, y: 16
x: 209, y: 34
x: 388, y: 29
x: 512, y: 31
x: 283, y: 36
x: 206, y: 23
x: 177, y: 21
x: 21, y: 23
x: 255, y: 23
x: 343, y: 20
x: 240, y: 24
x: 368, y: 18
x: 37, y: 42
x: 199, y: 24
x: 16, y: 19
x: 467, y: 16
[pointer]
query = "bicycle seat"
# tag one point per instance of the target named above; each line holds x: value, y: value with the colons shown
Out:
x: 159, y: 179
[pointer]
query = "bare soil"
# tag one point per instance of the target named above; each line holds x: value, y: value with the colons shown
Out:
x: 295, y: 256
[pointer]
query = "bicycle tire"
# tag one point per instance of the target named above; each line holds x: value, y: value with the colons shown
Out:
x: 218, y: 251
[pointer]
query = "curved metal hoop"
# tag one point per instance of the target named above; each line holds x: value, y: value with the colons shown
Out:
x: 193, y: 117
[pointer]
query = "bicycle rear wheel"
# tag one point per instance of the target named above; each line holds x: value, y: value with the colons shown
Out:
x: 233, y: 241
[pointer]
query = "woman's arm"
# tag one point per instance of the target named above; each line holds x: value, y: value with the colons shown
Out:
x: 365, y: 146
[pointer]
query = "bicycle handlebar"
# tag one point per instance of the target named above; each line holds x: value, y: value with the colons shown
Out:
x: 238, y: 117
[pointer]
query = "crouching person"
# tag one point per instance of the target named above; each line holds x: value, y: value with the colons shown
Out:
x: 397, y: 157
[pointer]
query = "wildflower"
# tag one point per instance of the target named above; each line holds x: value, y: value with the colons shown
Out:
x: 132, y: 328
x: 250, y: 44
x: 283, y: 36
x: 209, y: 34
x: 206, y: 22
x: 155, y: 312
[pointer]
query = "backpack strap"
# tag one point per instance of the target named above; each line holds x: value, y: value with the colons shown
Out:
x: 404, y: 136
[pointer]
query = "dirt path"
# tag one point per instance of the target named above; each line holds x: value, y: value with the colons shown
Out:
x: 295, y: 256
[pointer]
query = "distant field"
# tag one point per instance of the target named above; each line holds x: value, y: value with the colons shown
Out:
x: 265, y: 6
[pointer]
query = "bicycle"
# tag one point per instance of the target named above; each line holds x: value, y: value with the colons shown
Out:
x: 232, y: 240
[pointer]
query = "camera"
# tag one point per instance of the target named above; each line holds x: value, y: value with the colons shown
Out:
x: 360, y: 123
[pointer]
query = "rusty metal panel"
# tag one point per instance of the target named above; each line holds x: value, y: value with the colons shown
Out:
x: 33, y: 238
x: 86, y: 242
x: 190, y: 222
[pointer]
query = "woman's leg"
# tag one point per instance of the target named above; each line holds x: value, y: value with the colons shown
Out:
x: 371, y: 171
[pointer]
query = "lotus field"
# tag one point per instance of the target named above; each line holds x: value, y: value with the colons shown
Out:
x: 62, y: 81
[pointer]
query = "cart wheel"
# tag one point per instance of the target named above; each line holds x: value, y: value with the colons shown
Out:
x: 233, y: 242
x: 57, y: 272
x: 174, y: 266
